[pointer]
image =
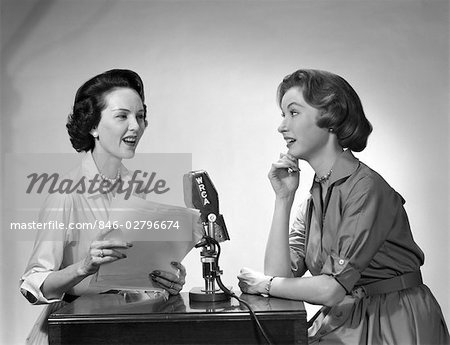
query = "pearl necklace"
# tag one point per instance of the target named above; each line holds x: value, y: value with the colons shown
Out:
x: 113, y: 181
x: 323, y: 178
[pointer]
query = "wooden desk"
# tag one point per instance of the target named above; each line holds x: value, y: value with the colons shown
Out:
x: 111, y: 319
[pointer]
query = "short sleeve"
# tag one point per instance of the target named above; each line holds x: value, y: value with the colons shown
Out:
x: 297, y: 241
x: 48, y: 250
x: 368, y: 213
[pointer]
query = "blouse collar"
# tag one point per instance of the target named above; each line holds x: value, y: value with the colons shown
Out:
x: 345, y: 165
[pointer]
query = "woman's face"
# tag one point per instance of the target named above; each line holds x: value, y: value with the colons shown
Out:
x: 304, y: 139
x: 121, y: 125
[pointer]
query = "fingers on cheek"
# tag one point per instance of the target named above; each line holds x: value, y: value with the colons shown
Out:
x: 289, y: 161
x: 291, y: 157
x: 280, y: 165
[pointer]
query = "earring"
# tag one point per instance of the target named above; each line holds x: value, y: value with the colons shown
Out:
x: 331, y: 130
x: 95, y: 134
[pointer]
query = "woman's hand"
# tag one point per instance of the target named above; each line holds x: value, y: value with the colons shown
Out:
x: 171, y: 282
x: 252, y: 282
x: 102, y: 252
x: 284, y: 176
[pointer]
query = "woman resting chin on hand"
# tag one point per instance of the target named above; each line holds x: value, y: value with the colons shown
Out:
x: 352, y: 234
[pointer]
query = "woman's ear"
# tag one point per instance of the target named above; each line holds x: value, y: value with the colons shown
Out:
x: 94, y: 132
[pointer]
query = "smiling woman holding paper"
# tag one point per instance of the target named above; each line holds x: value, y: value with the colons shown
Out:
x: 107, y: 122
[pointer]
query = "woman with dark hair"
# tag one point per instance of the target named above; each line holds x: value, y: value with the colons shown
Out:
x: 352, y: 234
x: 107, y: 122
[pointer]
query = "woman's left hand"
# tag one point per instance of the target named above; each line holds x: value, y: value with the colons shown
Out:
x: 171, y: 282
x: 252, y: 282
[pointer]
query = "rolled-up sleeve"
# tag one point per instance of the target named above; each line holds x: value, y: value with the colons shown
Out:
x: 31, y: 283
x: 297, y: 241
x: 48, y: 250
x: 367, y: 215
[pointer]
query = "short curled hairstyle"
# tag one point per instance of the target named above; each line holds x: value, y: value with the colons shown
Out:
x: 342, y: 111
x: 90, y: 102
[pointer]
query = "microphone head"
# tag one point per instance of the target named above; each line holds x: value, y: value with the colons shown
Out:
x: 200, y: 193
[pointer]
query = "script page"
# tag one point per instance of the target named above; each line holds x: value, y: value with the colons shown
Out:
x: 159, y: 233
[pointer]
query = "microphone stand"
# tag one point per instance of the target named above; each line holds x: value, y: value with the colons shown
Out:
x: 211, y: 271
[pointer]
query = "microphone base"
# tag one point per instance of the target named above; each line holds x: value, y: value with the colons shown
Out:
x: 198, y: 294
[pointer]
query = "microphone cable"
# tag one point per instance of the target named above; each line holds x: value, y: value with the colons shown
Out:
x: 232, y: 294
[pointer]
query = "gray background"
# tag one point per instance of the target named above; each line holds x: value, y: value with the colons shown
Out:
x: 211, y: 69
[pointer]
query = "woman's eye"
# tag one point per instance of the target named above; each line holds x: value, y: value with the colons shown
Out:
x: 294, y: 113
x: 141, y: 117
x: 121, y: 116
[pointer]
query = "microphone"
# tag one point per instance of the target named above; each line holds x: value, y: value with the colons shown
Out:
x: 200, y: 193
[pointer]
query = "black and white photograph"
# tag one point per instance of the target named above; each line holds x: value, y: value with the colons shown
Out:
x: 225, y: 172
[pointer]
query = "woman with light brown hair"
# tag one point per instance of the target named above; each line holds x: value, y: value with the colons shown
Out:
x: 352, y: 234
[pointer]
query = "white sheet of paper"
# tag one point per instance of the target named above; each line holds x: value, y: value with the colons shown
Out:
x: 134, y: 216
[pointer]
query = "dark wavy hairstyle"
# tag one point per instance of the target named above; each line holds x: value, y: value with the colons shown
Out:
x: 342, y: 111
x: 90, y: 101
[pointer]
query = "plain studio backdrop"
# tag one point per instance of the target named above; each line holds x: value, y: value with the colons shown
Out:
x: 211, y: 69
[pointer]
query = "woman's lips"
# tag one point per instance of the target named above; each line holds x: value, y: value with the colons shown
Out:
x: 289, y: 141
x: 130, y: 141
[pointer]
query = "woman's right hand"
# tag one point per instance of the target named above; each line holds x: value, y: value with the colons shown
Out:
x: 285, y: 182
x: 102, y: 252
